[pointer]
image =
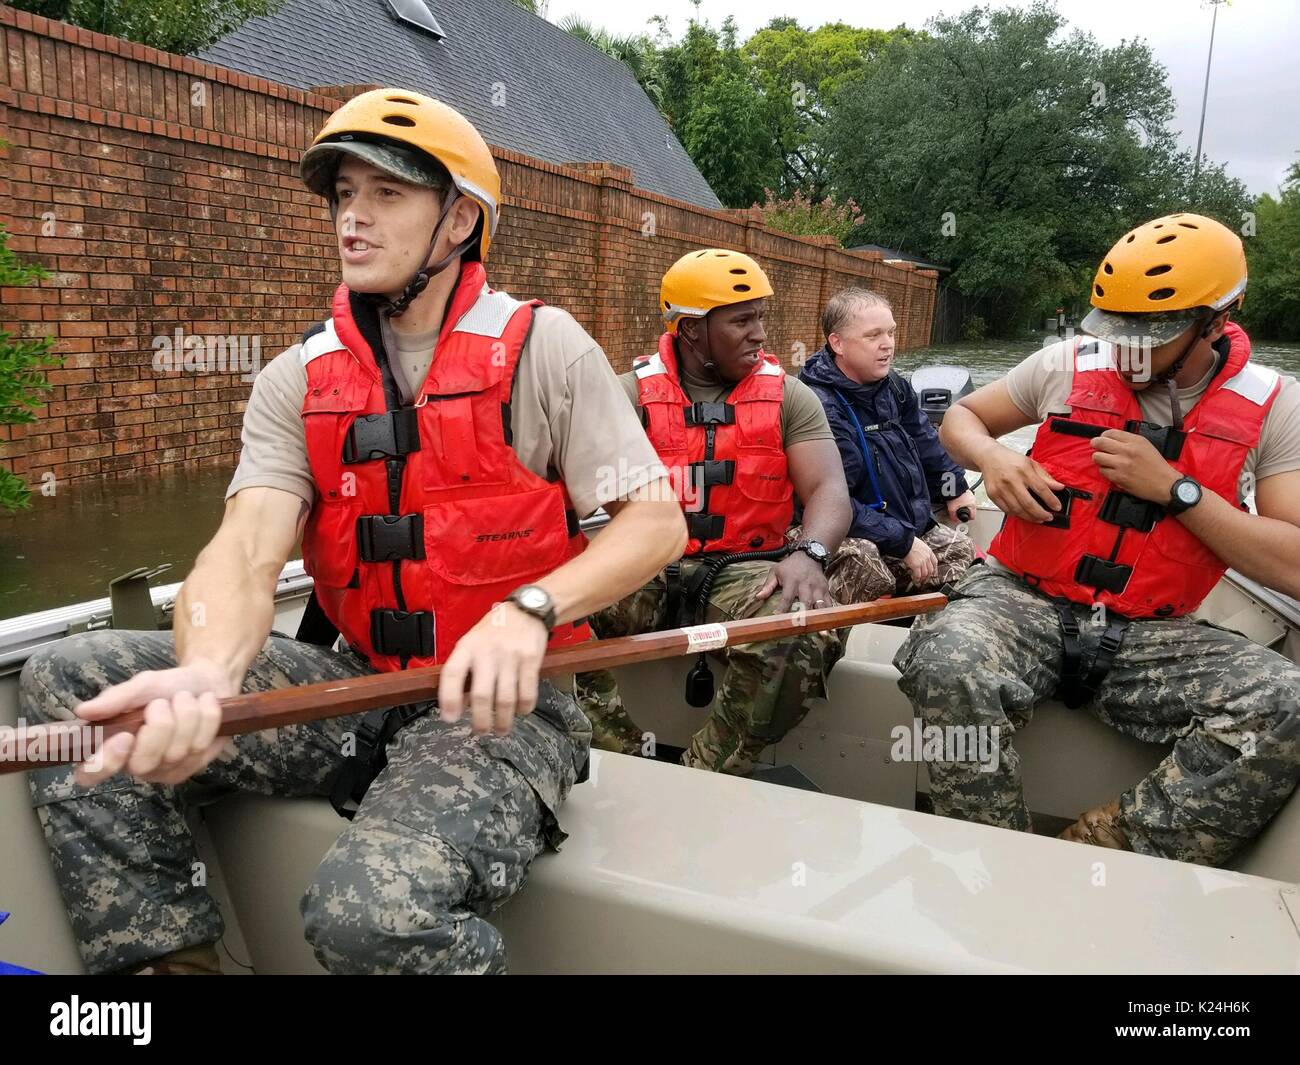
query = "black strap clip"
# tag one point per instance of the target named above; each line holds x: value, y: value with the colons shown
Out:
x: 705, y: 526
x: 1130, y: 512
x: 1102, y: 574
x: 712, y: 472
x: 1165, y: 438
x: 710, y: 414
x: 378, y: 436
x: 390, y: 537
x: 399, y: 632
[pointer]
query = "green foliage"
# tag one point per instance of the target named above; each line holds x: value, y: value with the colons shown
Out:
x: 1015, y: 151
x: 1272, y: 307
x: 180, y: 26
x: 23, y: 386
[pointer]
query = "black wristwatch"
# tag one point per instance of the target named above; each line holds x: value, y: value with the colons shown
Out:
x: 816, y: 551
x: 1183, y: 495
x: 535, y: 600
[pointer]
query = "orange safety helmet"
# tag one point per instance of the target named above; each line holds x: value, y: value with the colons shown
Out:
x: 712, y: 277
x: 1163, y: 274
x: 399, y: 131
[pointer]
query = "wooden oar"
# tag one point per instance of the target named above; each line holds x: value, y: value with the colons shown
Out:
x: 255, y: 711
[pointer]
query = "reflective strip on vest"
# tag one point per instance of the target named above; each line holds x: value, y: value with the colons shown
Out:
x: 1255, y: 383
x: 489, y: 316
x: 650, y: 366
x: 321, y: 343
x: 1101, y: 359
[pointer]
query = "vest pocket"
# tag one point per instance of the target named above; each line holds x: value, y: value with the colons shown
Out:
x: 763, y: 478
x: 498, y: 539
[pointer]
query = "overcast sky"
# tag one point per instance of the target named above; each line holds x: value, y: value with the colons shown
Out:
x: 1253, y: 119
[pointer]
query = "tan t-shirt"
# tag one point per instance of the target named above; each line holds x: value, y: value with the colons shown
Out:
x: 566, y: 415
x: 802, y: 415
x: 1041, y: 383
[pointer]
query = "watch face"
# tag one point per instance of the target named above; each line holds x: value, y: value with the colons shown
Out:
x: 816, y: 549
x: 534, y: 598
x: 1187, y: 492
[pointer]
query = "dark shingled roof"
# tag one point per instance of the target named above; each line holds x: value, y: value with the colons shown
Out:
x: 563, y: 99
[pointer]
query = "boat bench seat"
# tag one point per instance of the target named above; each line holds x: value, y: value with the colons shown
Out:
x: 673, y: 870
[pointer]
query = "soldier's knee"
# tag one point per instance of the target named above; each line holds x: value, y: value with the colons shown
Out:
x: 50, y: 676
x: 413, y: 921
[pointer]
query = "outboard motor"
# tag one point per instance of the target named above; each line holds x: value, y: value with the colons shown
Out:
x: 939, y: 387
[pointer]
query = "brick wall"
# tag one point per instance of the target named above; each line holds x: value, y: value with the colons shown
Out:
x: 162, y: 194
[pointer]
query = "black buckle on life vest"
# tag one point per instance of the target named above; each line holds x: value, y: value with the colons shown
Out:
x: 378, y: 436
x: 1102, y: 574
x: 711, y: 472
x: 1165, y: 438
x: 705, y: 526
x: 1066, y: 497
x: 572, y: 523
x: 710, y: 414
x: 389, y: 537
x: 399, y: 632
x: 1130, y: 512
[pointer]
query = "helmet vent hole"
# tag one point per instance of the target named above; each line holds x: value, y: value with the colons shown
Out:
x: 1100, y: 291
x: 1107, y: 268
x: 1158, y: 225
x: 1156, y: 271
x: 1130, y: 238
x: 400, y: 100
x: 1161, y: 294
x: 740, y: 288
x: 739, y: 270
x: 1189, y: 225
x: 1167, y: 239
x: 399, y: 120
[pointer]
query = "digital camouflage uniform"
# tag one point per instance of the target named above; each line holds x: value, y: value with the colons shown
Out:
x: 762, y: 695
x: 444, y: 835
x: 1230, y: 708
x: 859, y: 573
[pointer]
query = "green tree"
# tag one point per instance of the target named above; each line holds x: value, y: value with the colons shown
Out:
x: 1014, y: 150
x: 23, y: 385
x: 799, y: 72
x: 180, y: 26
x: 713, y: 100
x: 1272, y: 307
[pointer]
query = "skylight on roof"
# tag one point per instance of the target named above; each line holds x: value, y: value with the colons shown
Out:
x: 416, y: 13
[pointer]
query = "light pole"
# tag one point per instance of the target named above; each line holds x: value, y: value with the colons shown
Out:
x: 1200, y: 134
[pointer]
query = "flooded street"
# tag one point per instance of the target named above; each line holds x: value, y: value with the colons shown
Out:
x: 67, y: 548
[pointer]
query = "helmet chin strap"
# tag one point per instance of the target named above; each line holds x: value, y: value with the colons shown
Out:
x: 707, y: 364
x: 396, y: 307
x: 1198, y: 334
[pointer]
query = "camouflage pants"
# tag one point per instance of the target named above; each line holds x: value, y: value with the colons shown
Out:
x: 763, y: 694
x: 1230, y: 708
x: 444, y: 835
x: 859, y: 573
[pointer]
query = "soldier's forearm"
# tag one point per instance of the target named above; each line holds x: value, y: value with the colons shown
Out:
x: 224, y: 612
x: 827, y: 516
x: 639, y: 541
x: 965, y: 437
x: 1264, y: 549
